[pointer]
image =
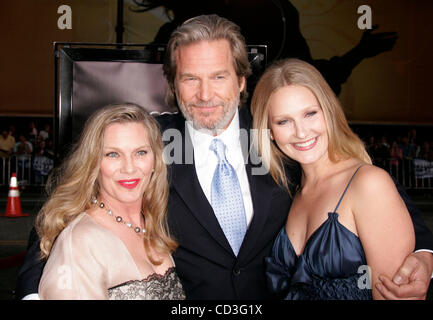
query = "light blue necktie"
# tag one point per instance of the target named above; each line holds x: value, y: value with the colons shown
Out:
x: 226, y: 198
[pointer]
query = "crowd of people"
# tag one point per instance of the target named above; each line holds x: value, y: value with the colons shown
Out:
x: 407, y: 154
x: 385, y: 151
x: 28, y: 152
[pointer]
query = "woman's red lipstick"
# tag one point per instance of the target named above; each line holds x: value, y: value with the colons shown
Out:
x: 129, y: 184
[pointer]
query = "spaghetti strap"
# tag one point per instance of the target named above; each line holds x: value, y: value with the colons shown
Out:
x: 348, y: 184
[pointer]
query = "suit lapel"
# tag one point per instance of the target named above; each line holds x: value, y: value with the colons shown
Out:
x: 261, y: 193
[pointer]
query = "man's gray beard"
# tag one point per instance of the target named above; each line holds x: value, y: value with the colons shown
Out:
x: 220, y: 126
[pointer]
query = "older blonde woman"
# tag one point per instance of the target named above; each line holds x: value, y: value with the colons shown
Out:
x: 347, y: 224
x: 104, y: 228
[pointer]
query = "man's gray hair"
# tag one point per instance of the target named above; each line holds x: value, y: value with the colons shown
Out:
x: 206, y: 28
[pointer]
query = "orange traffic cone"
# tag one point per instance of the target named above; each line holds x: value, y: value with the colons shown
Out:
x: 13, y: 207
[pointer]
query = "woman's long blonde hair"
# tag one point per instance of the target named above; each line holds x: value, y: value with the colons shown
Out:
x: 69, y: 190
x: 343, y: 142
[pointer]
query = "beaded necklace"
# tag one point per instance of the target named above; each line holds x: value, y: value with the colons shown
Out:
x: 119, y: 218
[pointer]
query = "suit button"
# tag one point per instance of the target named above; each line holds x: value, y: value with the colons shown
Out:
x: 236, y: 271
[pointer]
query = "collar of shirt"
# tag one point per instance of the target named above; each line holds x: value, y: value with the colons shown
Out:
x: 201, y: 142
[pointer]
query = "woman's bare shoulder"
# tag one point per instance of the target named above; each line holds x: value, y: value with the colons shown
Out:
x: 371, y: 179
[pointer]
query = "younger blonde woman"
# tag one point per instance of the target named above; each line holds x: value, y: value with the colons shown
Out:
x: 347, y: 224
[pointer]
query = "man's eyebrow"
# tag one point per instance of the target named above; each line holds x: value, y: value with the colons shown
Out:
x: 213, y: 74
x: 220, y: 72
x: 186, y: 74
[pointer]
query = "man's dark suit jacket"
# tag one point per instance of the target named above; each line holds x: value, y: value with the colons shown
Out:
x: 204, y: 260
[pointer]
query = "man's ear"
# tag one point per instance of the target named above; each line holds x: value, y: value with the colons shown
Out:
x: 242, y: 83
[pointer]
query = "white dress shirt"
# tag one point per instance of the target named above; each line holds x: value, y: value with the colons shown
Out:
x: 206, y: 160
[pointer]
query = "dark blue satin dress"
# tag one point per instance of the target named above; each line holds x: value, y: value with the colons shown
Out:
x: 326, y: 270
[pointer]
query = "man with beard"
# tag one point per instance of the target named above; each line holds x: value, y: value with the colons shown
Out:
x: 206, y: 67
